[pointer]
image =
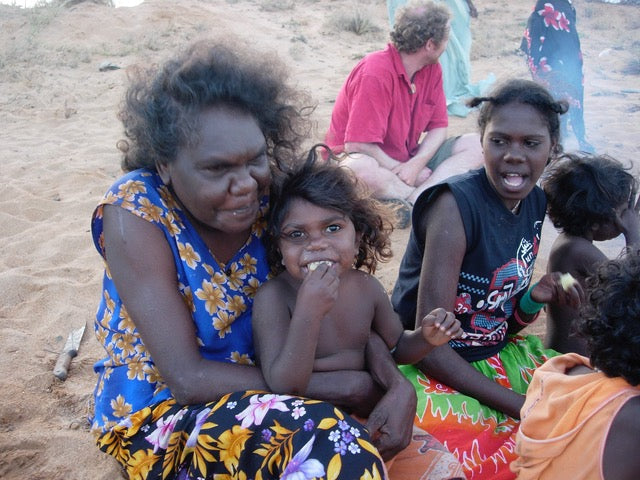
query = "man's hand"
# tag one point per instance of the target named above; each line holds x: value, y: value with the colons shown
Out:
x: 409, y: 171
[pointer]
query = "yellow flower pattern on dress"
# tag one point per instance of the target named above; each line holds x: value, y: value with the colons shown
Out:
x: 218, y: 302
x: 188, y: 254
x: 213, y: 296
x: 293, y: 438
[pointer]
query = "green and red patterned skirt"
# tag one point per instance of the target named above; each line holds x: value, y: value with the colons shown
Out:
x: 482, y: 439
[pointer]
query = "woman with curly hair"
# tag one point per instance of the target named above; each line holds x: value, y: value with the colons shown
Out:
x: 589, y: 198
x: 181, y: 233
x: 581, y: 417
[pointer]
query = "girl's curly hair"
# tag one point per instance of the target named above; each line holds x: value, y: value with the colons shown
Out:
x: 418, y: 22
x: 161, y: 107
x: 610, y: 321
x: 526, y: 92
x: 328, y: 185
x: 584, y: 189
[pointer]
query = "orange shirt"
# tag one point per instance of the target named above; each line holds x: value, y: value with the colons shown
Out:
x: 565, y: 421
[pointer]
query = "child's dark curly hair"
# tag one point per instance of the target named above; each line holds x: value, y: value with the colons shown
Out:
x: 610, y: 321
x: 328, y: 185
x: 583, y: 190
x: 526, y: 92
x: 161, y: 107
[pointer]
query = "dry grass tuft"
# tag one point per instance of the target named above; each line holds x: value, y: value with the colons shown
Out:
x: 359, y: 20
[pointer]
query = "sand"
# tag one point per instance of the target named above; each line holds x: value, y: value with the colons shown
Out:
x: 59, y: 129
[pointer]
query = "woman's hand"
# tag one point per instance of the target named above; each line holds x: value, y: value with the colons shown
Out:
x: 391, y: 421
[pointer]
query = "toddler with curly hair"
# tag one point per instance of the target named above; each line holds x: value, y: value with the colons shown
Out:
x: 582, y: 415
x: 590, y: 198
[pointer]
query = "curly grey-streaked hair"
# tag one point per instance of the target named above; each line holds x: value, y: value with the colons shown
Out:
x: 163, y: 103
x: 417, y: 22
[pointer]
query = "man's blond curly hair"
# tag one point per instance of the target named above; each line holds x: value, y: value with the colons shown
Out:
x: 417, y: 22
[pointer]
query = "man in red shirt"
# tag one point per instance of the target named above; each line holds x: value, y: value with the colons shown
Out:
x: 390, y: 117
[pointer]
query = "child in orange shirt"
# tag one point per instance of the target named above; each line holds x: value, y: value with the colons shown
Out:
x: 581, y: 417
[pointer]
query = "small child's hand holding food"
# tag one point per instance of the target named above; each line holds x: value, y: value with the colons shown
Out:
x: 440, y: 326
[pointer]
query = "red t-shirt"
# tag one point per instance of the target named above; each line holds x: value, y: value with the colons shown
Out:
x: 377, y: 104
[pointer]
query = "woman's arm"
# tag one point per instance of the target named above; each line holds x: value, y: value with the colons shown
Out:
x: 445, y: 247
x: 355, y: 391
x: 391, y: 421
x: 141, y: 265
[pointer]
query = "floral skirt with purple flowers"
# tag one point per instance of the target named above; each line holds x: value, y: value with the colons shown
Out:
x: 245, y: 435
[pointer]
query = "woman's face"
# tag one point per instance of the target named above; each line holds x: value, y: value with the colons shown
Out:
x: 517, y: 146
x: 219, y: 181
x: 311, y: 235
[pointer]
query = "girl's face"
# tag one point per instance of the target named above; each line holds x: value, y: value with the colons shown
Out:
x: 220, y: 180
x: 313, y: 234
x: 517, y: 145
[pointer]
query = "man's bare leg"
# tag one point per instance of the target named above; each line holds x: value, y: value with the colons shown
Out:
x: 466, y: 155
x: 383, y: 183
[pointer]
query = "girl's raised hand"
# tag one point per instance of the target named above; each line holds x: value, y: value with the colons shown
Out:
x: 628, y: 220
x: 440, y: 326
x: 550, y: 288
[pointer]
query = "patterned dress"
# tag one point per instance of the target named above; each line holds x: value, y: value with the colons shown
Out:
x: 554, y: 57
x: 244, y: 435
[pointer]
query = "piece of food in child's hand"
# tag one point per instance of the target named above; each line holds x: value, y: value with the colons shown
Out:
x: 567, y: 281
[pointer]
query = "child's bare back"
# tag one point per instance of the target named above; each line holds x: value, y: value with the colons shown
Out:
x: 578, y: 257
